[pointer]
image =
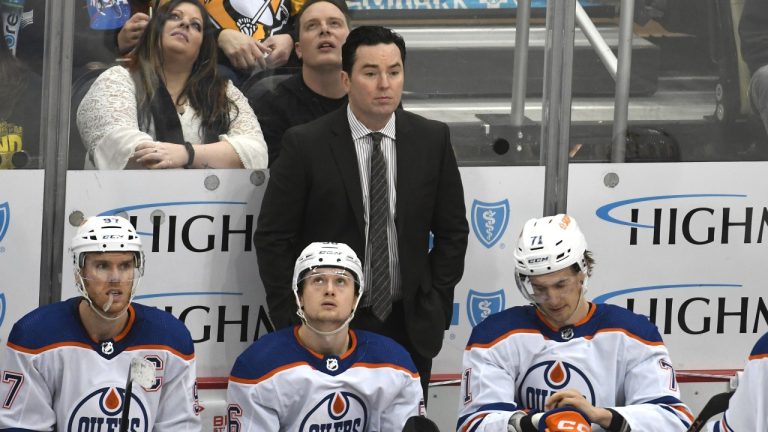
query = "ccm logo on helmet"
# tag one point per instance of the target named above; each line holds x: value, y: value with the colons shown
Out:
x: 538, y: 260
x: 112, y: 236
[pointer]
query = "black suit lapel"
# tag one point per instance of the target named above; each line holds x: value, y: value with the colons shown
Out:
x: 405, y: 147
x: 343, y: 151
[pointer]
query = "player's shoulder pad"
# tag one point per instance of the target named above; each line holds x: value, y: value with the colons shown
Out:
x: 608, y: 316
x: 761, y: 347
x: 517, y: 318
x: 154, y: 326
x: 378, y: 349
x: 47, y: 325
x: 269, y: 353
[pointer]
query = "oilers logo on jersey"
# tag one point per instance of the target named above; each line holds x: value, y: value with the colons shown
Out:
x: 545, y: 378
x: 339, y: 411
x: 100, y: 412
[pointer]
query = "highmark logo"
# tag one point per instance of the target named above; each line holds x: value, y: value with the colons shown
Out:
x: 481, y: 305
x: 489, y: 221
x: 211, y: 321
x: 5, y: 219
x: 195, y: 226
x: 696, y: 219
x: 695, y: 308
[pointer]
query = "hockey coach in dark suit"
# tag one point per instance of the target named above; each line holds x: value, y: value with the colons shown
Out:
x: 379, y: 179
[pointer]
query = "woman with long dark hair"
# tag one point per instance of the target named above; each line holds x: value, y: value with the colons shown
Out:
x: 169, y: 107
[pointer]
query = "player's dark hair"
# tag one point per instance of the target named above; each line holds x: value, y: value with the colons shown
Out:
x: 589, y: 260
x: 368, y: 36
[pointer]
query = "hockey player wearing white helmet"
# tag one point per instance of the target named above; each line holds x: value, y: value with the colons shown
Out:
x: 65, y: 364
x: 564, y: 363
x: 109, y: 264
x: 321, y: 375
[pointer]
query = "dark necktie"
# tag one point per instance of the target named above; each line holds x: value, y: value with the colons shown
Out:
x: 378, y: 212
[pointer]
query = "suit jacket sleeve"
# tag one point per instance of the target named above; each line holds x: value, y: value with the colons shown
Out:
x: 450, y: 229
x: 278, y: 229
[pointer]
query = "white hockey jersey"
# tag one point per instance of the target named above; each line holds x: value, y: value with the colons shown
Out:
x: 54, y: 377
x: 514, y: 360
x: 278, y: 385
x: 748, y: 407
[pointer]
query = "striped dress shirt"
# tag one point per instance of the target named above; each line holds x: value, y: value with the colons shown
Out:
x: 363, y: 143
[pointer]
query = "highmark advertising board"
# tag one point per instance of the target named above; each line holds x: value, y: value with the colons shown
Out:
x: 684, y: 244
x: 197, y: 229
x: 21, y: 221
x: 499, y: 201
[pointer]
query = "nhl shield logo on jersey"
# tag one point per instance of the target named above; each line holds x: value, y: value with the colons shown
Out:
x: 480, y: 305
x: 489, y: 221
x: 547, y: 377
x: 339, y: 411
x: 100, y: 411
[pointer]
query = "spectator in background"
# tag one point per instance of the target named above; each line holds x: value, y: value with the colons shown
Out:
x: 322, y: 26
x: 748, y: 407
x: 753, y: 32
x: 20, y: 96
x: 252, y: 34
x: 170, y: 108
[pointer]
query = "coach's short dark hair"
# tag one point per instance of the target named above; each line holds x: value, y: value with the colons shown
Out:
x: 340, y: 5
x: 368, y: 36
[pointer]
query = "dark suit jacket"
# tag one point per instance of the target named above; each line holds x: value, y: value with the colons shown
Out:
x: 314, y: 194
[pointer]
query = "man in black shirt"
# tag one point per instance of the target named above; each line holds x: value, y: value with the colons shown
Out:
x: 323, y: 26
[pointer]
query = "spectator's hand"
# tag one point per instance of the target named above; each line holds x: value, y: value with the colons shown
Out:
x: 281, y: 47
x: 160, y: 155
x: 131, y: 32
x: 574, y: 398
x: 243, y: 51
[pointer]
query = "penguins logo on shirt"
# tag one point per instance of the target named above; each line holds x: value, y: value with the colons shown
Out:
x: 101, y: 411
x: 338, y: 411
x: 548, y: 377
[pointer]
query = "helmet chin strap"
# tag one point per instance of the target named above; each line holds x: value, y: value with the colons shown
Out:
x: 582, y: 291
x: 343, y: 326
x: 305, y: 320
x: 101, y: 314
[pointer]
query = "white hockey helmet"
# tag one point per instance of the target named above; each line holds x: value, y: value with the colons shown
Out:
x: 547, y: 245
x: 105, y: 234
x: 327, y: 254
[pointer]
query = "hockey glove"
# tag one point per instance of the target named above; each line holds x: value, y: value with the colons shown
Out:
x: 565, y: 419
